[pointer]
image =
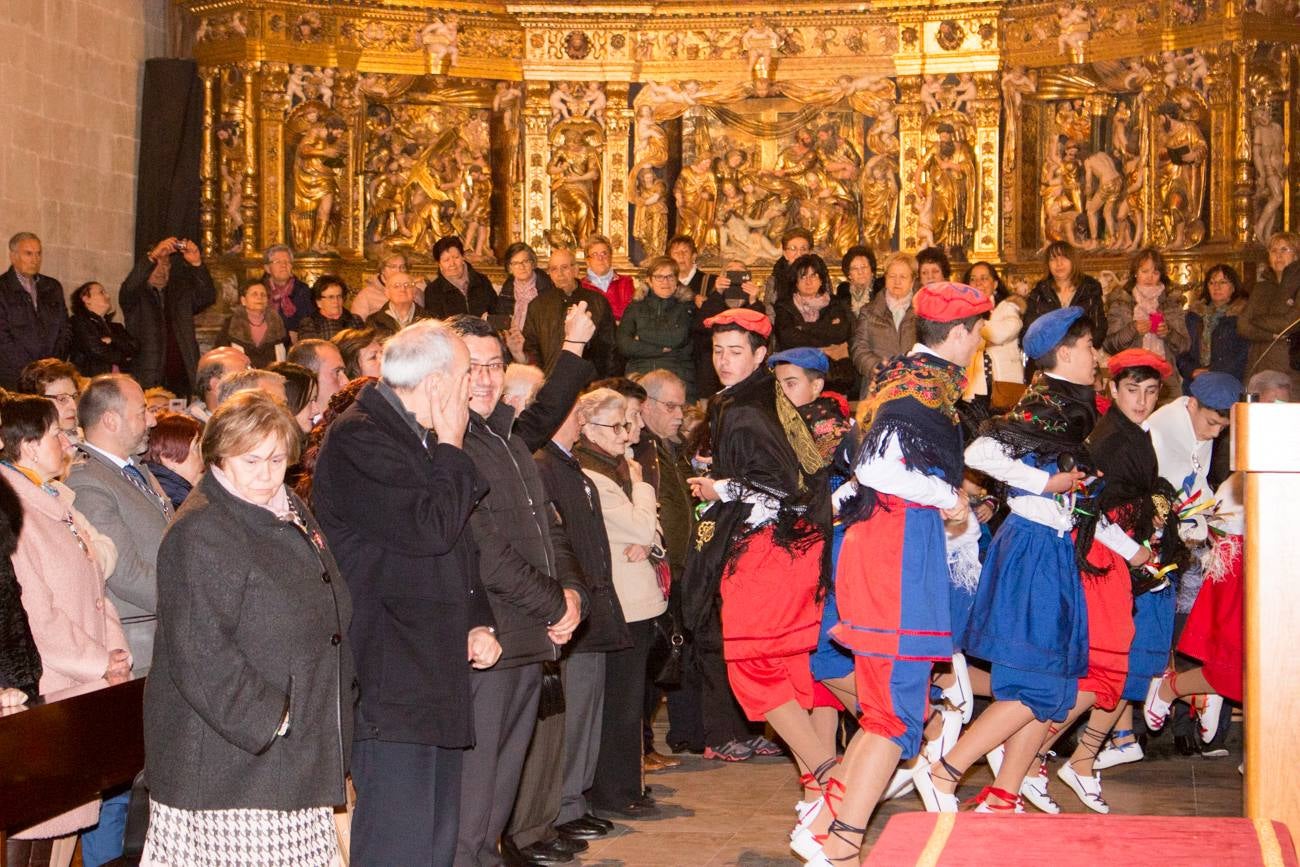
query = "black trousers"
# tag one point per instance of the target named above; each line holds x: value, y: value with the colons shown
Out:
x: 408, y: 804
x: 724, y: 722
x: 618, y: 769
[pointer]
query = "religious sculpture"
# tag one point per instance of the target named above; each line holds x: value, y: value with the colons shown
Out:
x: 696, y: 196
x: 317, y: 166
x: 231, y: 161
x: 574, y: 170
x: 1181, y: 165
x: 1104, y: 188
x: 1016, y: 83
x: 650, y: 226
x: 440, y: 41
x: 880, y: 201
x: 1268, y: 152
x: 945, y: 185
x: 1075, y: 22
x: 507, y: 103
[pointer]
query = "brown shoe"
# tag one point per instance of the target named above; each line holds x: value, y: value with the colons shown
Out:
x: 654, y: 761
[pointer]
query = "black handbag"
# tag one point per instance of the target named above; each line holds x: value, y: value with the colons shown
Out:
x: 665, y: 664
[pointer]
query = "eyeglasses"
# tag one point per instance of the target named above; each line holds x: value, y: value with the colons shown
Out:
x: 669, y: 405
x: 62, y: 398
x: 663, y: 276
x: 338, y: 297
x: 623, y: 426
x: 518, y: 263
x: 490, y: 368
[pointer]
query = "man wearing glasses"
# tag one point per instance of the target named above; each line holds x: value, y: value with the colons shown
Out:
x: 601, y: 276
x: 534, y: 587
x: 544, y: 324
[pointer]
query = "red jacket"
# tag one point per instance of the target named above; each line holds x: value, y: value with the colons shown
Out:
x: 619, y: 294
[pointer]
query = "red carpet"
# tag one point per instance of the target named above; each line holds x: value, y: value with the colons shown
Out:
x: 970, y: 840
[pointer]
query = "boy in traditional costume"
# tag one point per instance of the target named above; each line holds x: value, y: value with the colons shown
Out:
x: 758, y: 547
x: 1029, y: 619
x: 892, y: 578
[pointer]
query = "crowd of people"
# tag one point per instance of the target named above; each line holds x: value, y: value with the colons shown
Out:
x: 413, y: 569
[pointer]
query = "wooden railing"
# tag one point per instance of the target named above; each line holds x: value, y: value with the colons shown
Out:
x: 66, y: 749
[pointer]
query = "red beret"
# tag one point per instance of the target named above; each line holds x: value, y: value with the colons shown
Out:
x: 750, y: 320
x: 1138, y: 358
x: 944, y: 302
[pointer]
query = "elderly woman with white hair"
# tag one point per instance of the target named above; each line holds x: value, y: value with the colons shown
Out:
x: 629, y: 506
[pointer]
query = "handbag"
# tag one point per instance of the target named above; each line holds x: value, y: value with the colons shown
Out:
x: 665, y: 662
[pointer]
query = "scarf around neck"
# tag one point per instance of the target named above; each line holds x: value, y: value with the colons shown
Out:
x: 1053, y: 418
x: 592, y: 457
x: 811, y: 308
x: 1146, y: 301
x: 282, y: 297
x: 898, y: 307
x: 525, y: 292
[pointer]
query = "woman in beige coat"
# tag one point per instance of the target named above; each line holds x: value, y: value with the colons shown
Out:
x: 62, y: 563
x: 629, y: 507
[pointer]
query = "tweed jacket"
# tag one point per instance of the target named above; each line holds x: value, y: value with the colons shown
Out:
x: 252, y: 624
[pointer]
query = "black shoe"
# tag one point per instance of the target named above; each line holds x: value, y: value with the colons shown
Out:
x: 635, y: 810
x: 1185, y: 745
x: 572, y: 845
x: 546, y: 853
x: 684, y: 747
x: 511, y: 856
x: 581, y: 829
x: 592, y: 819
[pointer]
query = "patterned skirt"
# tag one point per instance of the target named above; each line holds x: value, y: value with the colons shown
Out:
x: 240, y: 838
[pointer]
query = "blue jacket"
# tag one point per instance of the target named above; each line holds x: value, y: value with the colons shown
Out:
x: 1228, y: 349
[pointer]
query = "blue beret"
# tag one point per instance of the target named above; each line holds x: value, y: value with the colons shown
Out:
x: 1216, y: 390
x: 802, y: 356
x: 1048, y: 331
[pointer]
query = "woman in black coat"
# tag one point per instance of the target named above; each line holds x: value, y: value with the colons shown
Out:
x: 459, y: 287
x: 99, y: 345
x: 1212, y: 328
x: 808, y: 314
x: 1065, y: 285
x: 249, y: 701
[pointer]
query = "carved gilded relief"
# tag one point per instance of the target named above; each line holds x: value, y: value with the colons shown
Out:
x: 345, y: 129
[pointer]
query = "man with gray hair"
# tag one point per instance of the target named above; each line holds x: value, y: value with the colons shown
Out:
x: 165, y: 290
x: 33, y: 313
x: 1270, y: 386
x: 252, y: 379
x: 393, y: 492
x: 289, y: 296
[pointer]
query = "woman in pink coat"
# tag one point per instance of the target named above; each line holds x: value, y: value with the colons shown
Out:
x: 62, y: 563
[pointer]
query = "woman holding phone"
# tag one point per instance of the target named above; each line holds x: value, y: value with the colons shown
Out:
x: 1147, y: 313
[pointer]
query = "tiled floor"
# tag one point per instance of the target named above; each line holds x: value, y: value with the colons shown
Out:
x: 717, y: 814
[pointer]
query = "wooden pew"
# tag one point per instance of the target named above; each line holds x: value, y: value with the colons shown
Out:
x: 67, y: 748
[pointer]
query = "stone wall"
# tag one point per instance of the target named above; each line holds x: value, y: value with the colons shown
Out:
x: 71, y: 74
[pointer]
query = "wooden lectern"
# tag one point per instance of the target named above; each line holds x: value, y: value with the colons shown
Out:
x: 1266, y: 440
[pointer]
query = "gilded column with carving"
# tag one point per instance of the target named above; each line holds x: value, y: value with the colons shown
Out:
x: 250, y: 200
x: 1221, y: 97
x: 911, y: 145
x: 537, y: 198
x: 1243, y: 172
x: 987, y: 109
x: 208, y: 171
x: 273, y: 78
x: 618, y: 124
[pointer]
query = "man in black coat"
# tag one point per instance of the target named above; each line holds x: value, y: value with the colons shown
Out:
x: 161, y: 296
x: 544, y: 325
x: 33, y: 312
x: 526, y: 565
x: 393, y: 491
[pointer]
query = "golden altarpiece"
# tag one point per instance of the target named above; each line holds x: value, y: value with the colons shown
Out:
x: 351, y: 127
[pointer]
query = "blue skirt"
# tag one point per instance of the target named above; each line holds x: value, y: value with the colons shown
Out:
x: 829, y: 660
x: 1029, y: 612
x: 1153, y: 636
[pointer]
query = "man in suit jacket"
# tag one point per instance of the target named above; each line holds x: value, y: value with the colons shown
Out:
x: 122, y: 499
x: 393, y: 492
x: 166, y: 289
x: 33, y: 312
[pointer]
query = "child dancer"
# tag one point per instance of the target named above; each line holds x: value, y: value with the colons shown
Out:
x: 1029, y: 619
x: 892, y: 579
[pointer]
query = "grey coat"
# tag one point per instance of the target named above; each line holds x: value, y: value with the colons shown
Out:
x: 252, y: 622
x: 135, y: 523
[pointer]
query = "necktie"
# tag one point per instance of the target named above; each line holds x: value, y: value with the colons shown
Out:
x: 135, y: 477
